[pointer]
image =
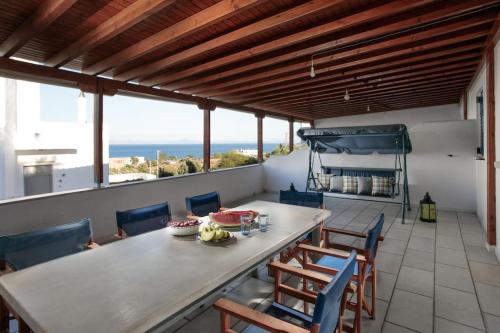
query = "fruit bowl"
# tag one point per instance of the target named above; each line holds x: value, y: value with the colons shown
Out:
x: 183, y: 228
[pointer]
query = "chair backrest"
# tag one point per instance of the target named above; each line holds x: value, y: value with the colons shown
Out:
x: 371, y: 243
x: 35, y: 247
x: 329, y: 301
x: 140, y: 220
x: 306, y: 199
x: 201, y: 205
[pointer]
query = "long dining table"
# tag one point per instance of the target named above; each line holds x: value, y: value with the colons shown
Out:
x: 140, y: 283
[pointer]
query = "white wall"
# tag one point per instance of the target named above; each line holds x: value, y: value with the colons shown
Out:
x: 101, y: 204
x: 480, y: 165
x: 435, y: 133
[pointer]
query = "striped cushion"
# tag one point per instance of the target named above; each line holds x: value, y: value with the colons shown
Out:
x: 382, y: 185
x: 336, y: 184
x: 350, y: 184
x: 323, y: 181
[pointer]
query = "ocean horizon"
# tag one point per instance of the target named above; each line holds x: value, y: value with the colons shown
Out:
x: 148, y: 151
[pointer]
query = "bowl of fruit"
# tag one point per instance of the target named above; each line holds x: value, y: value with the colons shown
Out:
x: 213, y: 234
x: 186, y: 227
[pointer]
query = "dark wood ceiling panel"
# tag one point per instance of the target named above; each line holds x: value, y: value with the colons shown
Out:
x: 389, y: 54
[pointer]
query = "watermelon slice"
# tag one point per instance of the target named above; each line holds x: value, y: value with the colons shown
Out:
x: 230, y: 218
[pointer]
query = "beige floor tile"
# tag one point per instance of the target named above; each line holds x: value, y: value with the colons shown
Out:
x: 207, y: 322
x: 419, y: 259
x: 480, y: 254
x: 458, y: 306
x: 371, y: 325
x: 451, y: 257
x: 492, y: 323
x: 251, y: 292
x: 473, y: 227
x: 401, y: 234
x: 416, y: 281
x: 385, y: 286
x: 489, y: 298
x: 485, y: 273
x: 421, y: 244
x: 446, y: 326
x: 411, y: 311
x: 391, y: 328
x: 394, y: 246
x: 448, y: 230
x: 454, y: 243
x: 474, y: 238
x: 424, y: 231
x: 388, y: 262
x: 454, y: 277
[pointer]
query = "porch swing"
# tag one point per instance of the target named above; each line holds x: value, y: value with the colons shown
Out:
x: 361, y: 140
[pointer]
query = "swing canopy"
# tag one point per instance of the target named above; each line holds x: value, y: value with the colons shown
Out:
x: 358, y: 140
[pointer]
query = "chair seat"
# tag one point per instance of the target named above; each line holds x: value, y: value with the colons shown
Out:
x: 285, y: 313
x: 337, y: 263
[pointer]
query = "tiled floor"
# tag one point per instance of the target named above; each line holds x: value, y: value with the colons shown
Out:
x: 432, y: 277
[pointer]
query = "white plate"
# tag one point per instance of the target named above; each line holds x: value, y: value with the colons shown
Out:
x: 183, y: 231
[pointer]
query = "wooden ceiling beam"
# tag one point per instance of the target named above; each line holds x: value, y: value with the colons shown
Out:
x: 330, y: 78
x: 446, y: 12
x: 45, y: 14
x: 301, y: 70
x: 271, y: 88
x: 377, y: 109
x: 372, y: 98
x: 38, y: 73
x: 374, y: 93
x: 363, y: 17
x: 381, y: 70
x: 396, y: 100
x: 115, y: 25
x: 414, y: 82
x: 294, y: 13
x: 191, y: 24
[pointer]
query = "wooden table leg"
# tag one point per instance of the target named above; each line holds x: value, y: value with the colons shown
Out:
x: 4, y: 316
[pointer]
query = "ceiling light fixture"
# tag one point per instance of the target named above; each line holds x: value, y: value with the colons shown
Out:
x: 346, y: 96
x: 312, y: 73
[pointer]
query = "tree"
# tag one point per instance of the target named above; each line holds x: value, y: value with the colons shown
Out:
x: 134, y: 160
x: 192, y: 166
x: 234, y: 159
x: 281, y: 150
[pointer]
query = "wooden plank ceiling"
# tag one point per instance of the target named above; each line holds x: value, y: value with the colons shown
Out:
x: 388, y: 55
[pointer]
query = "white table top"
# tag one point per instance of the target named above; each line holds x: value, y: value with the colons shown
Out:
x: 135, y: 284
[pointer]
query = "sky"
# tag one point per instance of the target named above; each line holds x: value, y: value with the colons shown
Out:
x: 131, y: 120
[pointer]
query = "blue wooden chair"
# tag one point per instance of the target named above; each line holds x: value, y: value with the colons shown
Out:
x: 333, y: 257
x: 329, y: 303
x: 31, y: 248
x: 27, y: 249
x: 140, y: 220
x: 202, y: 205
x: 305, y: 199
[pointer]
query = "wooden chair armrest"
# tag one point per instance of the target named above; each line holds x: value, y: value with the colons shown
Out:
x: 6, y: 270
x: 343, y: 247
x: 301, y: 272
x: 256, y: 318
x: 330, y: 252
x: 93, y: 245
x: 343, y: 232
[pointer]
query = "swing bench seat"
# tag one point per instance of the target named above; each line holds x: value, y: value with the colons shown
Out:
x: 363, y: 172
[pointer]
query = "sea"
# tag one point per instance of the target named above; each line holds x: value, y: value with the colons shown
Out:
x: 180, y: 150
